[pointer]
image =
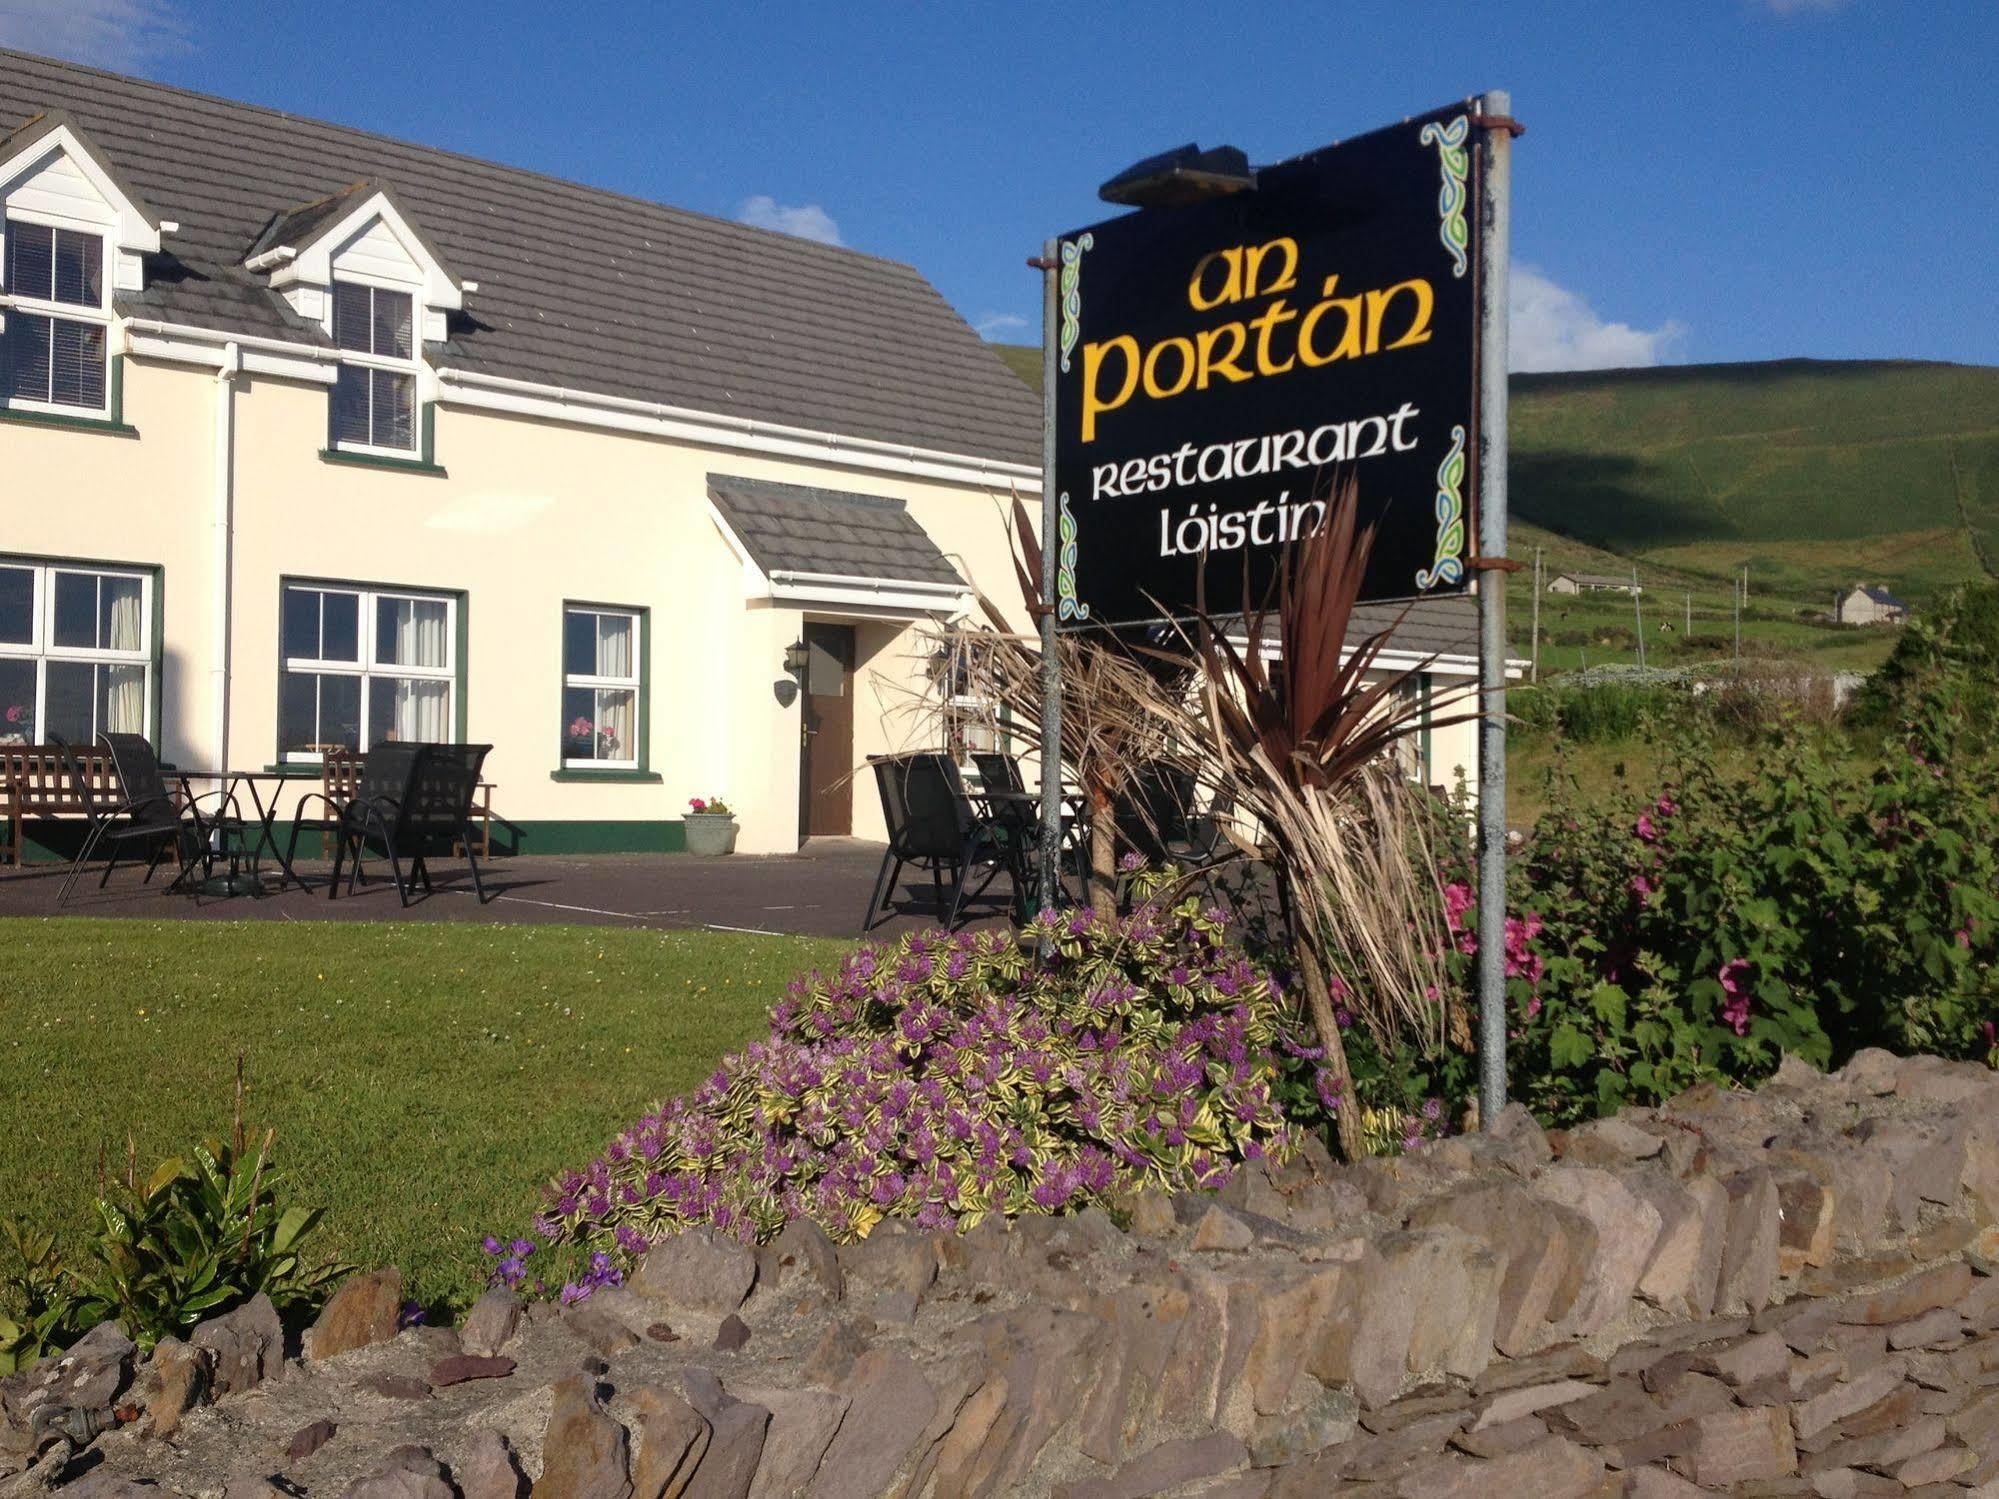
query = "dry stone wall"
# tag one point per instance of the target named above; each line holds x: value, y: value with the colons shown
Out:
x: 1786, y: 1292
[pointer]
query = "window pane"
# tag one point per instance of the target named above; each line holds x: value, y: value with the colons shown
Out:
x: 17, y: 605
x: 351, y: 316
x: 76, y: 610
x: 298, y: 713
x: 408, y: 709
x: 350, y: 406
x: 341, y: 624
x: 72, y: 690
x: 121, y: 622
x: 122, y: 708
x: 392, y: 324
x: 394, y: 402
x: 579, y: 643
x: 17, y: 702
x: 339, y: 712
x: 579, y: 723
x: 24, y: 357
x: 79, y: 268
x: 76, y: 374
x: 616, y: 656
x: 617, y: 723
x: 410, y: 632
x: 30, y: 260
x: 298, y: 624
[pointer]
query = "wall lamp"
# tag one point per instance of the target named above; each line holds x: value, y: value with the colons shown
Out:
x: 796, y: 658
x: 1186, y: 174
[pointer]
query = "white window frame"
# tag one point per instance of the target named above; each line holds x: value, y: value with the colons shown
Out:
x: 361, y: 359
x: 596, y: 683
x: 71, y: 312
x: 365, y: 666
x: 41, y: 649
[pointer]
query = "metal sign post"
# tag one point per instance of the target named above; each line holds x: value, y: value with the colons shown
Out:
x: 1049, y: 884
x: 1494, y: 179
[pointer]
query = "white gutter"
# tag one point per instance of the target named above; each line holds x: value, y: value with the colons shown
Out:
x: 184, y: 344
x: 858, y: 580
x: 713, y: 429
x: 222, y: 536
x: 277, y: 255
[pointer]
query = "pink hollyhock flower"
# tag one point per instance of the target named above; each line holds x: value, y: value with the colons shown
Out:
x: 1457, y: 901
x: 1641, y: 887
x: 1665, y: 806
x: 1645, y: 829
x: 1735, y: 1009
x: 1964, y: 936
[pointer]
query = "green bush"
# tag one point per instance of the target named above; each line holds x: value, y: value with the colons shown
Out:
x: 197, y: 1238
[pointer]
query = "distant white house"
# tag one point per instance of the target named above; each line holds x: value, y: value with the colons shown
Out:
x: 1593, y: 583
x: 1863, y: 604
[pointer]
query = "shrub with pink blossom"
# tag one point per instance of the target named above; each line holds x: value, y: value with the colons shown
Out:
x: 944, y: 1079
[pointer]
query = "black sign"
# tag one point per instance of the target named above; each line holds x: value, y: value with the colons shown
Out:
x: 1222, y: 365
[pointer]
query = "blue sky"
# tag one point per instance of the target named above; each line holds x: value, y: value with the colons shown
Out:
x: 1701, y: 180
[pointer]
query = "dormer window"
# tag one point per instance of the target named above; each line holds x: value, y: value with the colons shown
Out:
x: 54, y: 350
x: 374, y: 396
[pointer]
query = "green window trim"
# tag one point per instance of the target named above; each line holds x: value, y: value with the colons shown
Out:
x: 462, y: 601
x: 155, y: 694
x: 642, y: 773
x: 111, y: 424
x: 424, y: 460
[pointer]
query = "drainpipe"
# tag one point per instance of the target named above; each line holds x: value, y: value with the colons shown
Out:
x: 221, y: 538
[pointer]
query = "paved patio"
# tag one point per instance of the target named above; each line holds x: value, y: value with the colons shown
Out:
x: 818, y: 891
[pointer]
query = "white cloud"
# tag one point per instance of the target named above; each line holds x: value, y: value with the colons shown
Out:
x: 806, y: 220
x: 112, y: 33
x: 998, y: 325
x: 1551, y: 328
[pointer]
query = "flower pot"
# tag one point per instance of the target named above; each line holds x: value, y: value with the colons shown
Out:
x: 710, y: 833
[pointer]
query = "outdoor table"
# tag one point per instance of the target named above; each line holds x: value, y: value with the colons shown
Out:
x: 1021, y: 811
x: 228, y: 781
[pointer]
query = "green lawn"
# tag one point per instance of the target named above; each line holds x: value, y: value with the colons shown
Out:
x: 424, y: 1077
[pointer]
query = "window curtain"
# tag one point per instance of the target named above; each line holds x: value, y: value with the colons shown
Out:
x: 124, y: 706
x: 420, y: 633
x: 617, y: 724
x: 614, y: 645
x: 423, y: 709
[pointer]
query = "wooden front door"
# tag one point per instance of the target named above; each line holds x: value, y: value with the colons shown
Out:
x: 826, y: 747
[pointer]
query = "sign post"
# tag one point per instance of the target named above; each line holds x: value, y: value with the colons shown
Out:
x: 1494, y: 212
x: 1050, y: 864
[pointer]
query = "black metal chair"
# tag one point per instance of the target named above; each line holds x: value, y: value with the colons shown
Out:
x: 435, y: 814
x: 1158, y: 818
x: 932, y: 825
x: 148, y: 816
x: 998, y: 771
x: 383, y: 784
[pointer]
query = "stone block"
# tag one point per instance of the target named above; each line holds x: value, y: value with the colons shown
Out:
x: 1313, y: 1419
x: 487, y: 1469
x: 735, y: 1439
x: 1741, y: 1446
x: 801, y: 1255
x: 247, y: 1346
x: 1749, y: 1253
x: 1806, y: 1222
x: 364, y: 1311
x: 1939, y: 1285
x: 584, y: 1454
x: 1830, y: 1408
x: 673, y: 1438
x: 889, y: 1403
x: 1164, y: 1469
x: 1546, y: 1249
x: 174, y: 1380
x: 699, y: 1269
x: 491, y: 1323
x: 1685, y: 1266
x: 1941, y: 1326
x: 802, y: 1424
x: 1528, y: 1400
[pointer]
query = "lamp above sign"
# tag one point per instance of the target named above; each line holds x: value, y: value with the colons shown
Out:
x: 1222, y: 362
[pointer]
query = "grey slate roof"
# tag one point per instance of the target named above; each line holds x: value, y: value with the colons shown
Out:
x: 578, y: 287
x: 793, y: 528
x: 1440, y: 625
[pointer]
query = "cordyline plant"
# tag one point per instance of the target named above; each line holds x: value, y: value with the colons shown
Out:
x: 1303, y: 746
x: 944, y: 1079
x: 1273, y: 716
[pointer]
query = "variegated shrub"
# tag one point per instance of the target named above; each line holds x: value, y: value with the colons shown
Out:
x: 947, y: 1078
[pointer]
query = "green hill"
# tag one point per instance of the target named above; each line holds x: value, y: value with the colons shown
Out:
x: 1813, y: 474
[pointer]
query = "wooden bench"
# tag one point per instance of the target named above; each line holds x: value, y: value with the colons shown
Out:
x: 35, y: 782
x: 340, y: 777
